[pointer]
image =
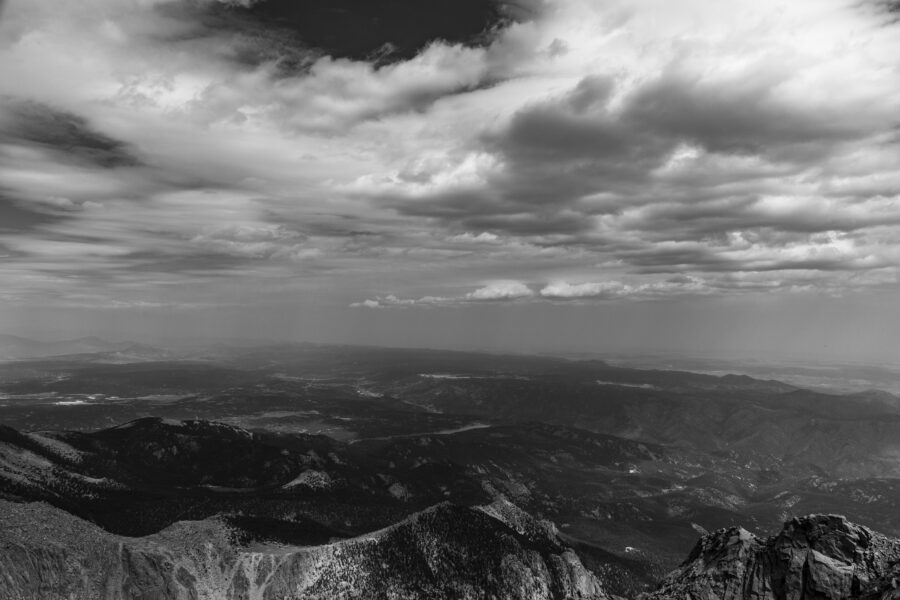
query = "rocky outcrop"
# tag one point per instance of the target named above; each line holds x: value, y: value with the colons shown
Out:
x: 821, y: 557
x: 445, y: 552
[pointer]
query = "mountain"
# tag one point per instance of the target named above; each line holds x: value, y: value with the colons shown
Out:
x: 766, y: 425
x: 13, y: 347
x: 631, y: 509
x: 164, y: 509
x: 446, y: 552
x: 816, y: 557
x: 143, y: 476
x: 628, y: 510
x: 312, y: 444
x: 349, y: 393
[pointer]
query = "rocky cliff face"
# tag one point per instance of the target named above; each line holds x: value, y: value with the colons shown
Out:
x: 821, y: 557
x: 444, y: 552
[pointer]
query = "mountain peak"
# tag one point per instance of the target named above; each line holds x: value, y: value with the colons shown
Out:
x: 816, y: 556
x: 443, y: 553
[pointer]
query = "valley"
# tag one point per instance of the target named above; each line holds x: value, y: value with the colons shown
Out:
x: 299, y: 446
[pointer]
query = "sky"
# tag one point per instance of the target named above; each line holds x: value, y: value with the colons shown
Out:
x: 536, y: 175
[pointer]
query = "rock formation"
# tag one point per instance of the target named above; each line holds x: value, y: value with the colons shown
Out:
x: 447, y: 552
x: 821, y: 557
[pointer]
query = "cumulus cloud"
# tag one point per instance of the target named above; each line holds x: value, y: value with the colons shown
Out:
x: 724, y: 139
x: 564, y: 290
x: 482, y: 238
x: 498, y: 291
x: 568, y: 291
x: 392, y: 300
x: 501, y: 290
x: 606, y: 290
x: 610, y: 150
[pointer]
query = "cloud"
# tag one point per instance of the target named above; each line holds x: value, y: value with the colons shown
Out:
x: 18, y: 215
x: 498, y: 291
x: 256, y: 242
x: 243, y: 3
x: 567, y: 291
x: 338, y: 93
x: 563, y: 290
x: 640, y: 144
x: 61, y: 133
x: 609, y: 290
x: 392, y: 300
x: 501, y: 290
x: 604, y: 149
x: 482, y: 238
x: 391, y: 30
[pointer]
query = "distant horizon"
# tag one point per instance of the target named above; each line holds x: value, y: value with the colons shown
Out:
x: 624, y: 355
x: 822, y: 374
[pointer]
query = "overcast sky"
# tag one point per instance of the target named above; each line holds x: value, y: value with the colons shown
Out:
x: 693, y: 175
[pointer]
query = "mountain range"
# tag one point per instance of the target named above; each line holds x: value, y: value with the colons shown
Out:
x: 299, y: 450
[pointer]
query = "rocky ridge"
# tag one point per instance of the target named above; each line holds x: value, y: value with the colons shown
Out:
x: 822, y: 557
x: 447, y: 552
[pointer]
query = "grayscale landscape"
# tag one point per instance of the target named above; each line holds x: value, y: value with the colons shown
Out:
x: 420, y: 465
x: 449, y: 300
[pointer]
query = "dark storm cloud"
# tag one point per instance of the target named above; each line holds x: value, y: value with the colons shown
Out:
x: 478, y: 211
x: 381, y: 31
x: 387, y: 29
x: 891, y: 8
x: 576, y: 125
x: 580, y: 134
x: 580, y: 138
x: 746, y: 117
x: 65, y: 134
x: 556, y: 155
x: 229, y: 32
x: 552, y: 153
